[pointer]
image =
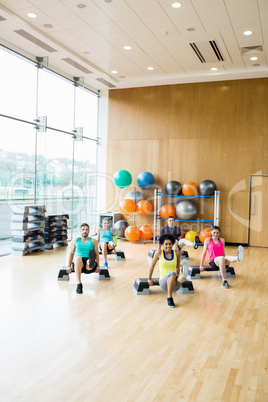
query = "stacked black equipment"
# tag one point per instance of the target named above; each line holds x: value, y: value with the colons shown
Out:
x: 55, y: 234
x: 28, y: 229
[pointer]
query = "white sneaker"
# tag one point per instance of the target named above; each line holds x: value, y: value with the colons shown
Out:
x: 185, y: 267
x: 240, y: 253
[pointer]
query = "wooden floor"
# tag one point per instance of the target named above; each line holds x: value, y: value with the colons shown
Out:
x: 111, y: 345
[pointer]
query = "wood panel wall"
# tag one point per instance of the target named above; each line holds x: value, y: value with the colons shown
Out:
x: 192, y: 132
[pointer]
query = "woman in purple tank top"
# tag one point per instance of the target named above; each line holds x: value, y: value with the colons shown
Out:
x: 215, y: 246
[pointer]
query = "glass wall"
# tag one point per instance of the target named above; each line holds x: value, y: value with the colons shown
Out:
x: 56, y: 100
x: 48, y: 168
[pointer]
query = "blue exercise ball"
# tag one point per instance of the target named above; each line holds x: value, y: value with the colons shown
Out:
x: 186, y: 210
x: 173, y: 187
x: 122, y: 178
x: 207, y: 187
x: 145, y: 180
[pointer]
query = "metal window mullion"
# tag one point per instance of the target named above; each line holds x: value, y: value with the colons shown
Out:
x: 36, y: 131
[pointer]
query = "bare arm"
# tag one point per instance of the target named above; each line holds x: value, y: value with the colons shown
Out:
x: 98, y: 235
x: 156, y: 257
x: 96, y: 244
x: 205, y: 249
x: 178, y: 254
x: 71, y: 254
x: 223, y: 243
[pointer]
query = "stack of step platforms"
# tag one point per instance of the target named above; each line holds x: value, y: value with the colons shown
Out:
x: 56, y: 231
x: 28, y: 230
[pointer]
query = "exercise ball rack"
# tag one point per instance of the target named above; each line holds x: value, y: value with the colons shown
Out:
x: 158, y: 204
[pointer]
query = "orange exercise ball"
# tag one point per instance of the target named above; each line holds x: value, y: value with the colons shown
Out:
x: 204, y: 234
x: 167, y: 210
x: 190, y: 188
x: 127, y: 206
x: 191, y: 235
x: 132, y: 233
x: 146, y: 232
x: 182, y: 234
x: 144, y: 208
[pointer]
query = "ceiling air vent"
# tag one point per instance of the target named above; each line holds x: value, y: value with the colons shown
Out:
x: 35, y: 40
x: 208, y: 51
x: 77, y: 65
x: 103, y: 81
x: 252, y: 49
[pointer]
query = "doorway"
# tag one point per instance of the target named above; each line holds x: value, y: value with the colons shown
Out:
x: 258, y: 211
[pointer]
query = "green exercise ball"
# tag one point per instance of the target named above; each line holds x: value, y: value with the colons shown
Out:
x: 122, y: 179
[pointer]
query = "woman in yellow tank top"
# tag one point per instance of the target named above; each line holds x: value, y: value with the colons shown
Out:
x: 169, y: 267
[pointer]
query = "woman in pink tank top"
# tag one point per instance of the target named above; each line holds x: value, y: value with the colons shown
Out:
x: 215, y: 246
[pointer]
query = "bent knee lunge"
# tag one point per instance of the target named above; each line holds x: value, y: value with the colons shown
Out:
x: 219, y: 261
x: 172, y: 275
x: 78, y: 263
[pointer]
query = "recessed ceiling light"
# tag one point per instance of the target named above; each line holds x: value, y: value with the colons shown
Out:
x: 48, y: 26
x: 127, y: 47
x: 86, y: 52
x: 254, y: 58
x: 213, y: 69
x: 176, y: 5
x: 32, y: 15
x: 256, y: 65
x: 114, y: 72
x: 191, y: 29
x: 150, y: 68
x: 247, y: 33
x: 108, y: 1
x: 81, y: 5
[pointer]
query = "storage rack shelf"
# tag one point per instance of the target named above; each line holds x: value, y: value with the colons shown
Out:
x: 28, y: 229
x: 158, y: 204
x: 55, y: 233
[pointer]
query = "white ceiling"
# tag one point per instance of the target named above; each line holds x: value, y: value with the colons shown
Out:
x: 92, y: 39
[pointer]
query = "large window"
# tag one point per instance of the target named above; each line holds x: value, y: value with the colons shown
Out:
x: 48, y: 168
x: 18, y: 87
x: 83, y: 106
x: 56, y: 100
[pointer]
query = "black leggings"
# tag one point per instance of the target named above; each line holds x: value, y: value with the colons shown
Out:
x: 87, y: 271
x: 214, y: 266
x: 109, y: 250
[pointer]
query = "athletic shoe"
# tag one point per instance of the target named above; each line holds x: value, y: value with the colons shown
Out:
x: 105, y: 265
x: 196, y: 241
x: 170, y: 302
x: 91, y: 258
x: 185, y: 267
x: 79, y: 288
x: 225, y: 284
x: 240, y: 253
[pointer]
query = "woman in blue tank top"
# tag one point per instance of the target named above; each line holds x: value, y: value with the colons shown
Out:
x: 105, y: 239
